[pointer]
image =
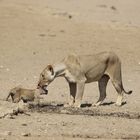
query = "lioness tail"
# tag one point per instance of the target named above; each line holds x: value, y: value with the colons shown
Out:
x: 128, y: 92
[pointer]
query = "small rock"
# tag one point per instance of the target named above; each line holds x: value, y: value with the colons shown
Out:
x: 62, y: 31
x: 114, y: 129
x: 45, y: 131
x: 13, y: 80
x: 26, y: 134
x: 2, y: 138
x: 38, y: 120
x: 34, y: 53
x: 1, y: 66
x: 38, y: 135
x: 102, y: 5
x: 42, y: 35
x: 139, y: 63
x: 36, y: 117
x: 70, y: 16
x: 54, y: 104
x: 7, y: 69
x: 64, y: 124
x: 7, y: 133
x: 113, y: 123
x: 62, y: 95
x: 24, y: 124
x: 25, y: 79
x: 9, y: 116
x: 52, y: 35
x: 64, y: 111
x: 46, y: 124
x: 113, y: 8
x: 35, y: 77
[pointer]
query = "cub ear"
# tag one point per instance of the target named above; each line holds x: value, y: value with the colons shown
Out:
x: 50, y: 68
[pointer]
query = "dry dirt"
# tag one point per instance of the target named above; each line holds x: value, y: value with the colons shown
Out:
x: 34, y: 33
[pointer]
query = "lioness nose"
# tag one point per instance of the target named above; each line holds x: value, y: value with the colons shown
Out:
x: 38, y: 86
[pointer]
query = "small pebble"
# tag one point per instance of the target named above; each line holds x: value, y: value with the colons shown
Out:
x: 2, y: 138
x: 34, y: 53
x: 26, y: 134
x: 24, y: 124
x: 113, y: 8
x: 64, y: 124
x: 25, y: 79
x: 62, y: 31
x: 1, y: 66
x: 7, y: 69
x: 38, y: 120
x: 64, y: 111
x: 9, y: 117
x: 7, y: 133
x: 35, y: 77
x: 70, y: 16
x: 42, y: 35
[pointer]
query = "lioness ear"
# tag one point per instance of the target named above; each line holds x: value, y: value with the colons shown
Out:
x: 50, y: 68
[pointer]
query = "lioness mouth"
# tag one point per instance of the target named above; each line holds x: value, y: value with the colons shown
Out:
x: 45, y: 89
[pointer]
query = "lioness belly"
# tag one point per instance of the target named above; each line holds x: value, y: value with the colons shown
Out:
x: 95, y: 73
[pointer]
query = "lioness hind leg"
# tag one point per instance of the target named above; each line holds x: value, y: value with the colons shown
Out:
x: 114, y: 72
x: 102, y: 83
x: 119, y: 89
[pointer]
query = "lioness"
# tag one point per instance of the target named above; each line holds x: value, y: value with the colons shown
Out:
x: 82, y: 69
x: 18, y: 93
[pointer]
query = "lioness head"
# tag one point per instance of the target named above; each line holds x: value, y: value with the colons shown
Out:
x: 46, y: 77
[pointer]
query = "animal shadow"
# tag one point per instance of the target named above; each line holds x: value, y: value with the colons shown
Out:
x: 123, y: 103
x: 110, y: 103
x: 86, y: 105
x: 107, y: 103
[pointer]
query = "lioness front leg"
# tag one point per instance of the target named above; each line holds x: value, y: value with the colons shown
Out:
x: 79, y: 93
x: 72, y: 87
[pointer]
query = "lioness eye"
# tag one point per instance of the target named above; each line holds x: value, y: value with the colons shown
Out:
x: 42, y: 76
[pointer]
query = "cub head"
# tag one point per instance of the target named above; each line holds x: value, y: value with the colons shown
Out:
x: 15, y: 94
x: 16, y: 90
x: 46, y: 77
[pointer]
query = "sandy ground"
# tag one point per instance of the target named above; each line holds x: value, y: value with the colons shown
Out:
x: 35, y: 33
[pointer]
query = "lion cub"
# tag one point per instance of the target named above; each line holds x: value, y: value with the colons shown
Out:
x: 18, y: 93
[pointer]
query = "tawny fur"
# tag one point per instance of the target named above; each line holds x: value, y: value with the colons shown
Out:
x: 18, y: 93
x: 82, y: 69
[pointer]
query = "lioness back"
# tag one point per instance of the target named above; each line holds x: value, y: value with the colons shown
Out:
x: 92, y: 66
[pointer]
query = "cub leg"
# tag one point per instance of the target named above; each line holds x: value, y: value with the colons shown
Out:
x: 16, y: 100
x: 9, y: 96
x: 102, y: 83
